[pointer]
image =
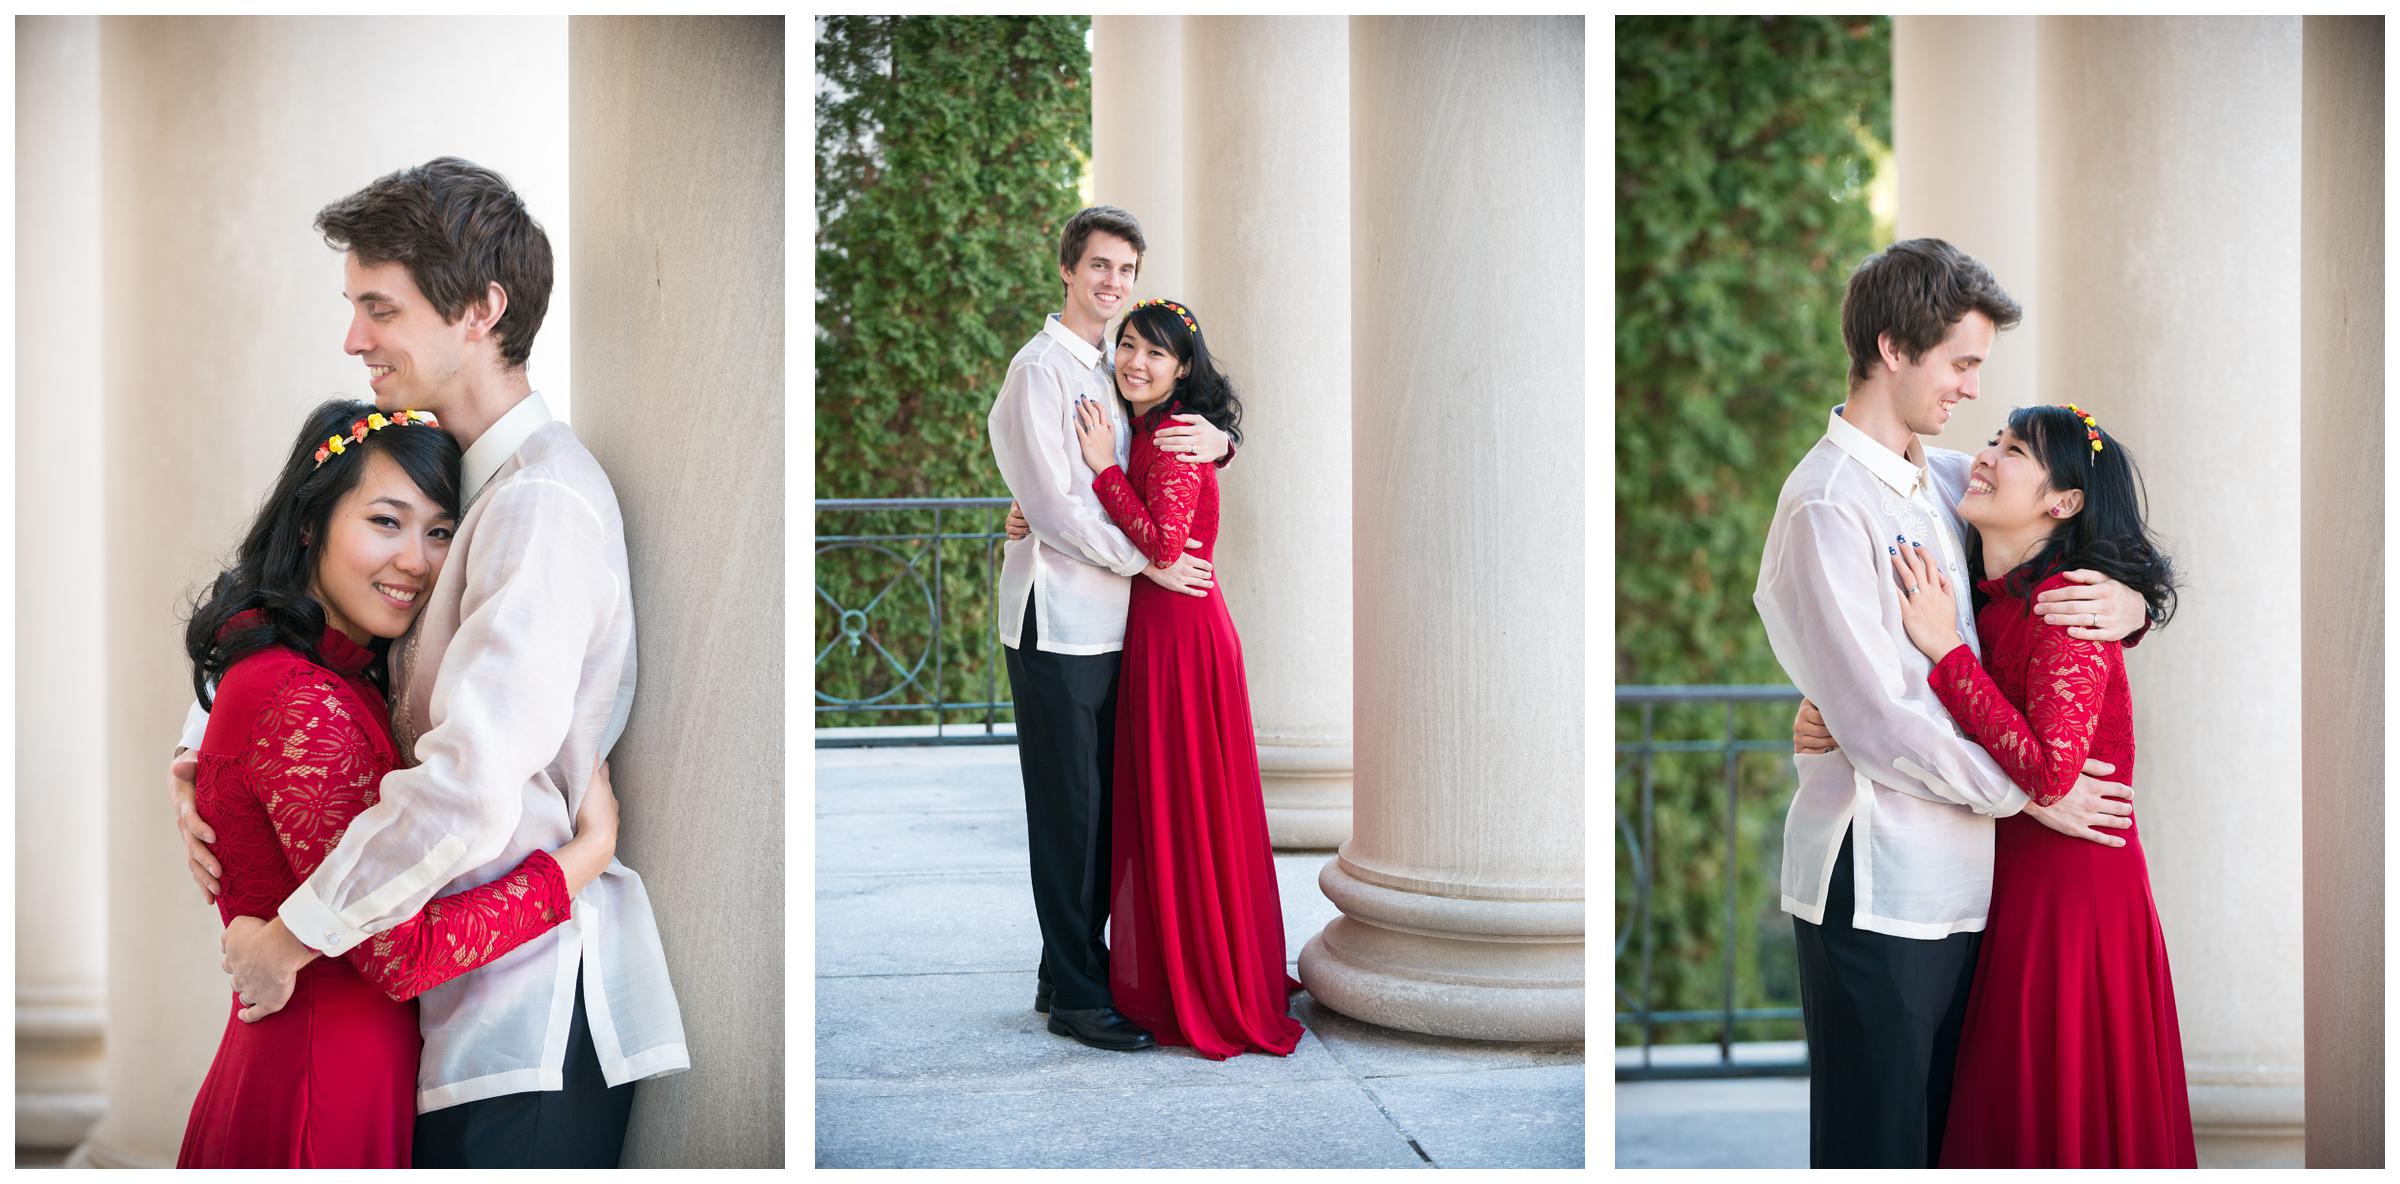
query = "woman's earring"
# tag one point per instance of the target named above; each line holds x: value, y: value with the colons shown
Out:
x: 305, y: 538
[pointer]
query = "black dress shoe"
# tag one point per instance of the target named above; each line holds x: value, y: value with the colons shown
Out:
x: 1041, y: 997
x: 1099, y: 1027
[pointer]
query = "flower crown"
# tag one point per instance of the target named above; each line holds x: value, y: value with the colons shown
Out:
x: 1180, y: 311
x: 2091, y: 427
x: 334, y: 445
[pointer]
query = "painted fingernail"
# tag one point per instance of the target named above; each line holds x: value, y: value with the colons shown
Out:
x: 1891, y: 550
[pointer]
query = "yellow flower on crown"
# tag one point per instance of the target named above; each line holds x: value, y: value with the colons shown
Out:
x: 377, y: 421
x: 333, y: 444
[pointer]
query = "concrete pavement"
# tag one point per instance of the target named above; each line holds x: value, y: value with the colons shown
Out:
x: 929, y: 1053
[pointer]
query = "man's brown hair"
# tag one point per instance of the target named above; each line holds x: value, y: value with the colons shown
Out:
x: 1108, y: 219
x: 1915, y: 290
x: 458, y: 228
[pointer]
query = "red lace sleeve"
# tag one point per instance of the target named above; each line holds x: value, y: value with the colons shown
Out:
x: 313, y: 770
x: 454, y: 934
x: 1159, y: 519
x: 2042, y: 748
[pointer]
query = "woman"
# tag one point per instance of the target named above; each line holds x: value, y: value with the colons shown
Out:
x: 2070, y: 1055
x: 293, y: 640
x: 1195, y: 920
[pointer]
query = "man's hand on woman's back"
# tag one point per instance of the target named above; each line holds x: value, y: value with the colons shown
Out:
x: 182, y: 773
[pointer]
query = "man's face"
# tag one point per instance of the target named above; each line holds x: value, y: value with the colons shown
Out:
x: 1925, y: 390
x: 1099, y: 283
x: 413, y: 359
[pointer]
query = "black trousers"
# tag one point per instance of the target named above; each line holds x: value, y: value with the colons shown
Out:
x: 580, y: 1126
x: 1066, y: 725
x: 1883, y: 1015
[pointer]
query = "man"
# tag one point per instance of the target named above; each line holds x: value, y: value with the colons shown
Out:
x: 1063, y: 594
x: 515, y: 680
x: 1887, y: 855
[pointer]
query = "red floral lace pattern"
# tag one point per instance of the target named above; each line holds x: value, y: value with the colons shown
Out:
x: 1169, y: 507
x: 280, y: 806
x: 2043, y: 747
x: 456, y: 933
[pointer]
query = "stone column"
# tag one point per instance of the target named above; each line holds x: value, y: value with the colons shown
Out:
x: 62, y: 771
x: 1462, y: 883
x: 681, y: 344
x: 1270, y: 283
x: 1963, y: 106
x: 1138, y: 134
x: 2170, y: 278
x: 219, y: 140
x: 2342, y: 584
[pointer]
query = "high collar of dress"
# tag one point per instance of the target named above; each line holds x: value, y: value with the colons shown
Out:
x: 1151, y: 419
x: 1904, y: 473
x: 337, y: 650
x: 342, y: 654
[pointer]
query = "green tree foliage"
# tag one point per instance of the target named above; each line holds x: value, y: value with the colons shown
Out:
x: 949, y: 151
x: 1745, y: 146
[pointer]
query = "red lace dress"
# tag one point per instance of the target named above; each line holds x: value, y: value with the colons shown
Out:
x: 1195, y: 920
x: 2070, y: 1055
x: 294, y: 752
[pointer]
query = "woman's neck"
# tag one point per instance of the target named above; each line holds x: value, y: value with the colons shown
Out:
x: 2006, y: 550
x: 1141, y: 407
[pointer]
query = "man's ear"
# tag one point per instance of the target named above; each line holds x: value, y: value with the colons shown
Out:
x: 482, y: 315
x: 1892, y: 357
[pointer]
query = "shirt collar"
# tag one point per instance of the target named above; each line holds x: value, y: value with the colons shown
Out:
x: 1905, y: 474
x: 1084, y: 351
x: 501, y: 441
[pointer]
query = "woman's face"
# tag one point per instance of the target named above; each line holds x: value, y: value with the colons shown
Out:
x: 1146, y: 371
x: 2007, y: 488
x: 380, y: 552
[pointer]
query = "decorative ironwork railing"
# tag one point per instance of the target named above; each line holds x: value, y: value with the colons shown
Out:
x: 895, y: 642
x: 1637, y: 842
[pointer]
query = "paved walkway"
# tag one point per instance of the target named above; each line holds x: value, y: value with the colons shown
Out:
x: 929, y: 1053
x: 1741, y: 1122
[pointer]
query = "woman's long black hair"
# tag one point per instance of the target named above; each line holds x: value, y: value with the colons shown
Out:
x: 272, y: 570
x: 2109, y: 536
x: 1204, y: 392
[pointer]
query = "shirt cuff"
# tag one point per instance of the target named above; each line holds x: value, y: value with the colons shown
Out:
x: 195, y: 727
x: 318, y: 927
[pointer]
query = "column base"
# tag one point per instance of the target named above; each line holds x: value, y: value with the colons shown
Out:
x: 2248, y: 1123
x: 1307, y: 795
x: 60, y: 1065
x: 1473, y: 968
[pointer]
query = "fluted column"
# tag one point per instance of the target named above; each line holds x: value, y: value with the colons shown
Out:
x: 2170, y: 211
x: 1269, y: 260
x: 1461, y: 885
x: 62, y: 776
x: 1963, y: 107
x: 2342, y: 584
x: 220, y: 138
x: 673, y: 371
x: 1138, y: 134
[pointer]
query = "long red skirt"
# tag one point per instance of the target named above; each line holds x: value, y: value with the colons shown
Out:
x: 1195, y: 921
x: 2070, y: 1055
x: 330, y: 1081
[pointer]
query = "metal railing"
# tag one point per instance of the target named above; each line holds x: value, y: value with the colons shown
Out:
x: 906, y: 610
x: 1634, y: 758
